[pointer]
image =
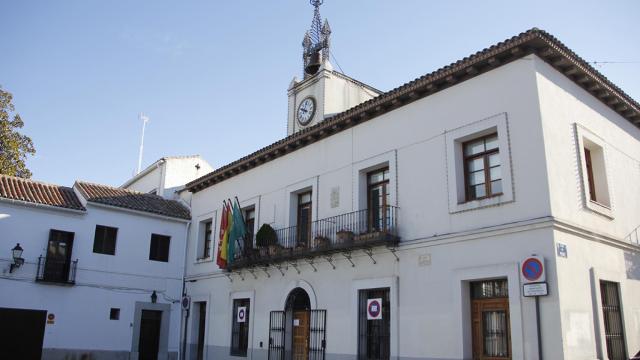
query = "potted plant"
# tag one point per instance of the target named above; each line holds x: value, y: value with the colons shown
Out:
x: 266, y: 238
x: 321, y: 242
x: 344, y: 236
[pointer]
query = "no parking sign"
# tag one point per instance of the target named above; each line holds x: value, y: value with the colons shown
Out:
x: 533, y: 277
x: 242, y: 314
x: 374, y: 309
x: 532, y: 270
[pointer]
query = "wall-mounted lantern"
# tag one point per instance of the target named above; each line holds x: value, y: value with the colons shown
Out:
x: 154, y: 297
x: 16, y: 252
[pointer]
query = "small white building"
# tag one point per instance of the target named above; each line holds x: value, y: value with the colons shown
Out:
x: 168, y: 175
x: 402, y: 219
x: 102, y: 272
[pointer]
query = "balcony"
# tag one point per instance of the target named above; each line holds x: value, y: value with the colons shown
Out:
x: 358, y: 230
x: 56, y: 271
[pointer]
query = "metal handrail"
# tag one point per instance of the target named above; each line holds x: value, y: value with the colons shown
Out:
x: 56, y: 271
x: 634, y: 236
x: 357, y: 229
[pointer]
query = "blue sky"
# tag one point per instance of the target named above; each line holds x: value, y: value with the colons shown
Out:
x: 212, y: 75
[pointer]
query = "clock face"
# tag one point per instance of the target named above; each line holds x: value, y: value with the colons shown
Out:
x: 306, y: 110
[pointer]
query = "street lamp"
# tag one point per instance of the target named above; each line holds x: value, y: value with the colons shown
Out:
x: 16, y: 252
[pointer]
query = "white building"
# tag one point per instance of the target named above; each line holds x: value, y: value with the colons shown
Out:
x: 102, y: 274
x: 168, y: 175
x: 403, y: 219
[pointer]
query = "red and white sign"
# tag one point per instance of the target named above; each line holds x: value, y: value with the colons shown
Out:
x: 242, y: 314
x: 532, y: 270
x: 374, y: 309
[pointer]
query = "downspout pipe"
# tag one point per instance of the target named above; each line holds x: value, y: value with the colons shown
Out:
x: 185, y: 317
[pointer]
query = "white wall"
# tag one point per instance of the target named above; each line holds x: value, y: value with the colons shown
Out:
x: 412, y: 140
x: 592, y: 238
x: 462, y: 241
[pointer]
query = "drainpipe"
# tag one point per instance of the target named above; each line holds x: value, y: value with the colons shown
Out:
x: 184, y: 291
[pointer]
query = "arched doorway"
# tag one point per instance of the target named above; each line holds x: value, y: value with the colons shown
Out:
x: 297, y: 329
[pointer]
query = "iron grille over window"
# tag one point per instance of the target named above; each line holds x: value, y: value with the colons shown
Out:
x: 240, y: 328
x: 374, y: 335
x: 613, y: 327
x: 490, y: 289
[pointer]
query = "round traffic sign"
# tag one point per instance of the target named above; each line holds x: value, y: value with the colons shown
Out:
x: 374, y: 309
x: 532, y: 269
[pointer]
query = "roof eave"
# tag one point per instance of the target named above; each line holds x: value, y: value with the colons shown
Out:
x: 534, y: 41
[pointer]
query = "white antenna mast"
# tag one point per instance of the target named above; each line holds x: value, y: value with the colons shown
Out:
x: 144, y: 119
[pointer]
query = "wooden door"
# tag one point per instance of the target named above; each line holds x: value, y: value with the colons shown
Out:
x: 490, y: 329
x: 21, y: 333
x: 149, y: 342
x: 58, y: 260
x: 202, y: 322
x: 301, y: 335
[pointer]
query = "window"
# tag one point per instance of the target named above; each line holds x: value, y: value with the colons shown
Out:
x: 374, y: 331
x: 207, y: 227
x: 114, y: 314
x: 483, y: 176
x: 249, y: 215
x: 240, y: 327
x: 304, y: 219
x: 249, y: 219
x: 478, y: 159
x: 159, y: 249
x: 612, y: 315
x: 104, y: 241
x: 596, y: 180
x: 378, y: 199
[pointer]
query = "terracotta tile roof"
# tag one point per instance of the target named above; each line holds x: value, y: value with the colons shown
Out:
x: 133, y: 200
x: 35, y: 192
x: 534, y: 41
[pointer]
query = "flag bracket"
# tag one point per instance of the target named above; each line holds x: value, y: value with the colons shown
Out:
x: 229, y: 277
x: 240, y: 274
x: 279, y: 267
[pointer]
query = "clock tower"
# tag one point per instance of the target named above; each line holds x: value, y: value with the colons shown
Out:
x: 322, y: 92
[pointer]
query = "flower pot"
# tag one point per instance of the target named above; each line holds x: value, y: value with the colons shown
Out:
x: 344, y: 237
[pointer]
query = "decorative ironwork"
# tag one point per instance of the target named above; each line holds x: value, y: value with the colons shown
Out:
x: 634, y: 236
x: 316, y: 42
x: 56, y: 271
x: 342, y: 234
x: 276, y: 335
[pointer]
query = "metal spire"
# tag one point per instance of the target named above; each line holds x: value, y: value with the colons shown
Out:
x: 316, y: 42
x: 316, y: 24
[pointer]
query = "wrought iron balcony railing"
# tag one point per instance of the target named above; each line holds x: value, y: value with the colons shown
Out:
x: 56, y: 270
x: 347, y: 232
